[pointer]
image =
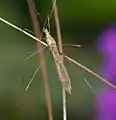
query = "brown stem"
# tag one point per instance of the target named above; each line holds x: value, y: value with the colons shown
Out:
x: 61, y: 51
x: 36, y: 28
x: 58, y: 27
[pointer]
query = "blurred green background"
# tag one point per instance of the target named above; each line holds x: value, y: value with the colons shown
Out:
x: 81, y: 23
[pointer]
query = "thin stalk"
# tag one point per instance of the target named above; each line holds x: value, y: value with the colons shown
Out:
x: 61, y: 51
x: 90, y: 71
x: 21, y: 30
x: 37, y: 32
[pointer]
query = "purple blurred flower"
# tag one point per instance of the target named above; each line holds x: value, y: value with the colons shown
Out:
x: 106, y: 105
x: 107, y: 41
x: 107, y: 47
x: 106, y: 100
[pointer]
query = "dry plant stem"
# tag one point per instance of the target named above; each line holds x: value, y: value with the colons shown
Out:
x: 37, y: 32
x: 58, y: 28
x: 61, y: 51
x: 88, y: 70
x: 23, y: 31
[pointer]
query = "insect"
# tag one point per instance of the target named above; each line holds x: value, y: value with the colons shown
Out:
x: 61, y: 70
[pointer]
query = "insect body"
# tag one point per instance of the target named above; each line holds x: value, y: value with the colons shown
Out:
x: 62, y: 72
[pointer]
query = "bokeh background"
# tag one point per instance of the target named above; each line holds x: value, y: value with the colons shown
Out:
x: 81, y: 23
